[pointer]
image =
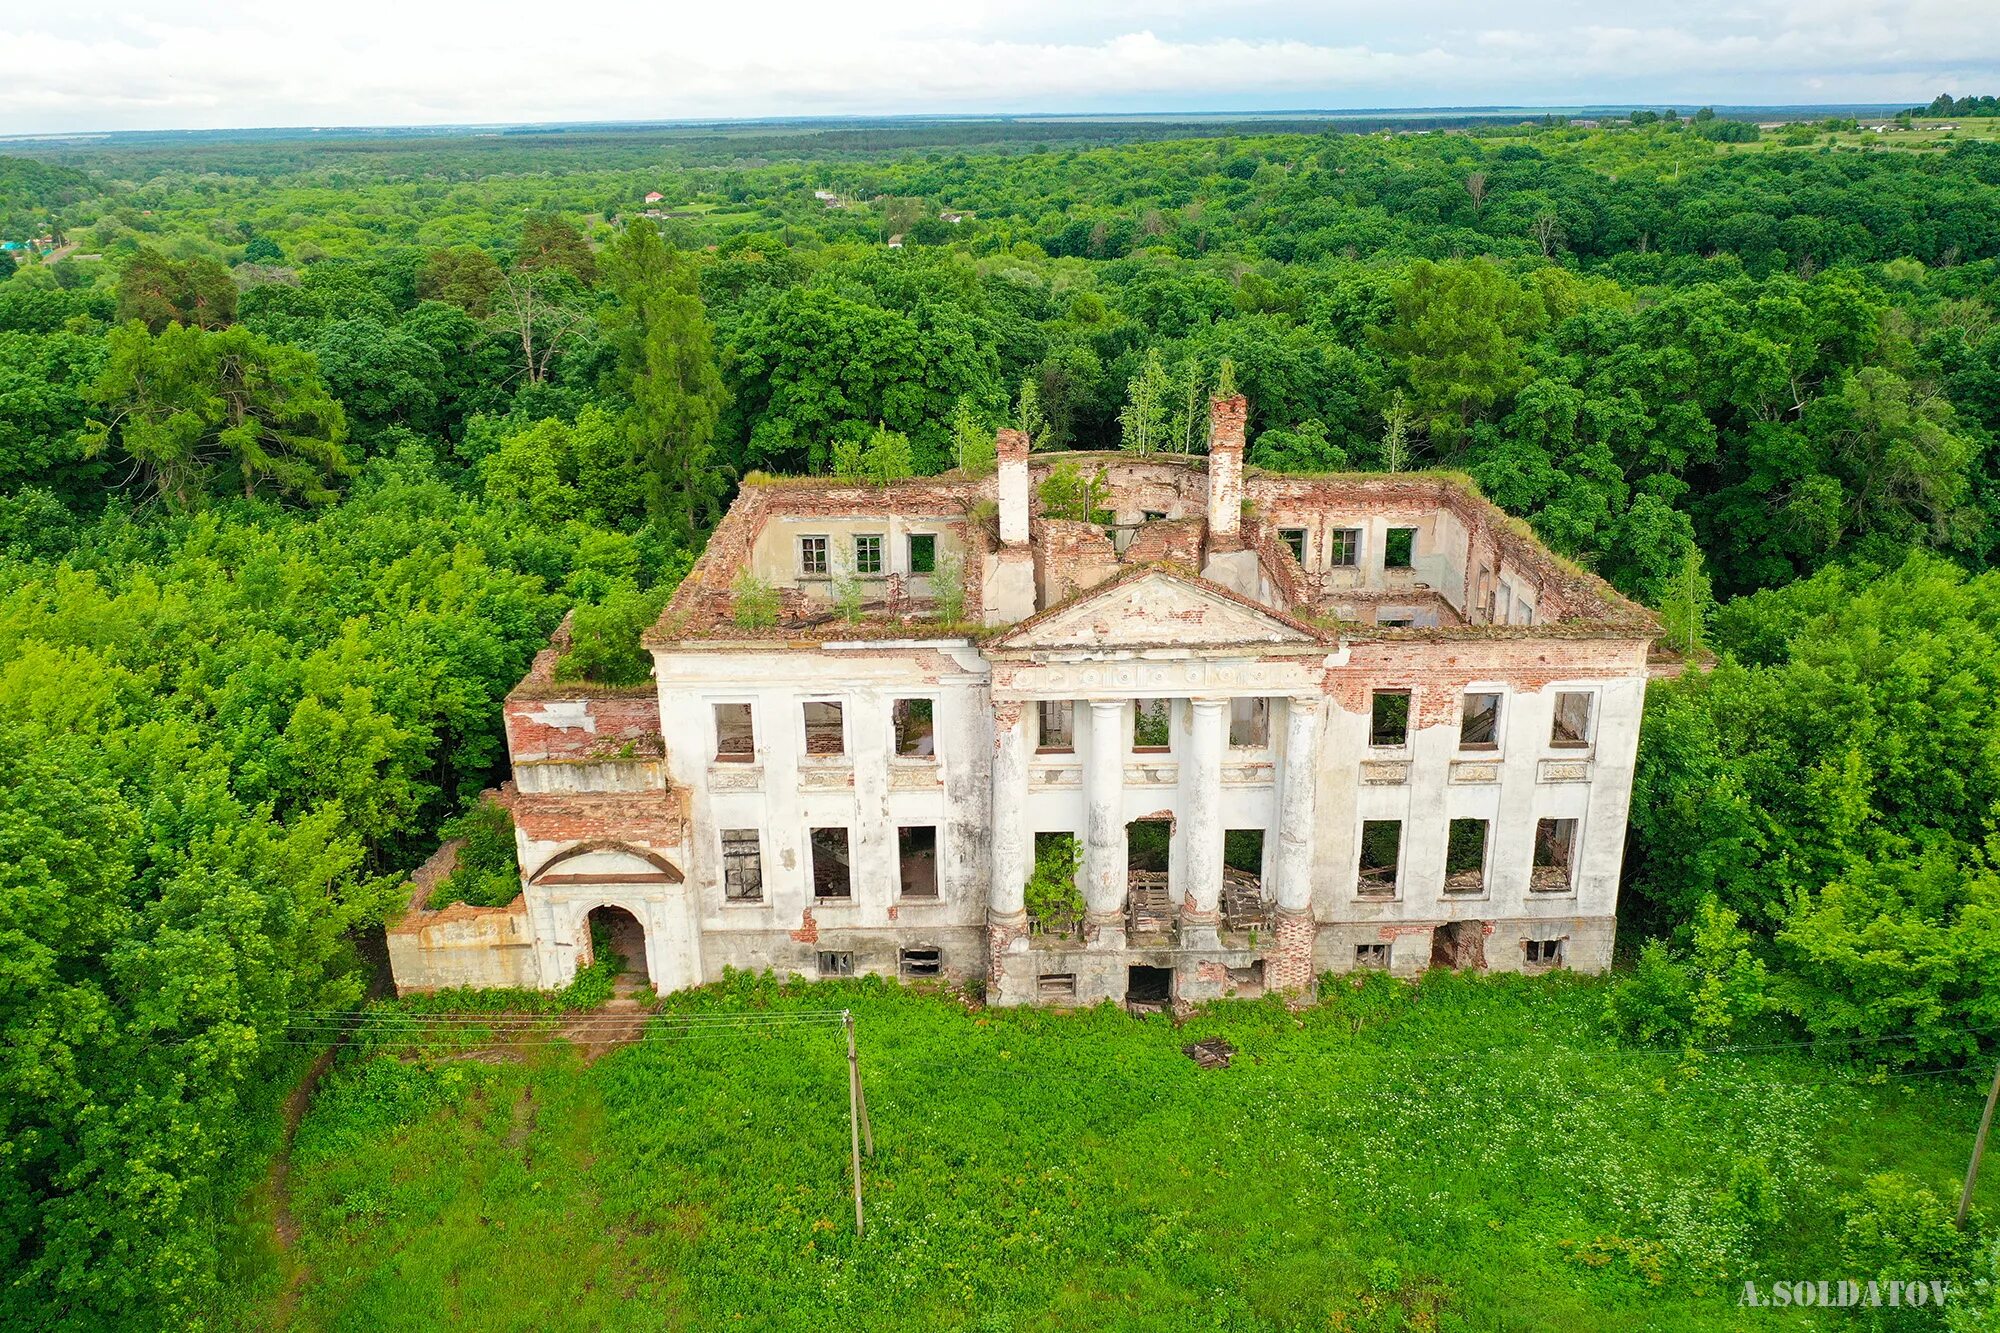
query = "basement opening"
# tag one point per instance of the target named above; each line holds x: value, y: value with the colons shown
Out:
x: 1148, y: 989
x: 1459, y: 945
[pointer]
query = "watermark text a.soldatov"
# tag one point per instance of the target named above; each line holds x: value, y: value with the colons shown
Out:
x: 1842, y: 1294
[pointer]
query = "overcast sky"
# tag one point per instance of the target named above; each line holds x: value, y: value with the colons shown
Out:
x: 168, y: 64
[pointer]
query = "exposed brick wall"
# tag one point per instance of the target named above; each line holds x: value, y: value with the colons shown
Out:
x: 1170, y: 541
x: 1072, y: 557
x: 650, y: 818
x: 583, y: 727
x: 1288, y: 577
x: 1289, y: 965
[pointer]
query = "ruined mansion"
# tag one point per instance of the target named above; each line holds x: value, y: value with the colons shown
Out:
x: 1216, y: 731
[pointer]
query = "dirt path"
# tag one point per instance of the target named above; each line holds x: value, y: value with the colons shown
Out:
x: 277, y: 1185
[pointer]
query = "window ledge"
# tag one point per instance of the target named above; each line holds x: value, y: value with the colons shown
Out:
x: 1480, y: 747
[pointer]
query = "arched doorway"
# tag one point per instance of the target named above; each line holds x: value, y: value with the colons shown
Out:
x: 615, y: 932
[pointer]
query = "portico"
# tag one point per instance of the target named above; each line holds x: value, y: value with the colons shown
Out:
x: 1101, y: 661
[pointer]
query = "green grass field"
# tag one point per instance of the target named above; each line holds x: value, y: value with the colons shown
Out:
x: 1459, y: 1154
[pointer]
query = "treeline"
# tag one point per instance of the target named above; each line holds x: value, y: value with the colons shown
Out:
x: 1944, y: 104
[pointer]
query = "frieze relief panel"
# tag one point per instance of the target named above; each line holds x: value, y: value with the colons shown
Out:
x: 1067, y: 680
x: 736, y: 777
x: 914, y: 777
x: 1256, y: 774
x: 1385, y: 772
x: 1563, y: 770
x: 1474, y: 770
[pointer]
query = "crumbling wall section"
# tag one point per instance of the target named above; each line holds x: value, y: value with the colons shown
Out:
x: 1072, y: 557
x: 1168, y: 542
x: 458, y: 945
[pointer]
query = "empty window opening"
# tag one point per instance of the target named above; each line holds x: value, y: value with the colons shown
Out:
x: 915, y: 964
x: 1250, y: 723
x: 1381, y: 849
x: 1459, y: 945
x: 1149, y: 988
x: 1243, y: 851
x: 1479, y: 723
x: 1395, y: 622
x: 1343, y: 548
x: 1055, y: 987
x: 742, y: 866
x: 824, y: 734
x: 1055, y: 903
x: 1243, y: 904
x: 1149, y: 900
x: 1543, y: 953
x: 1146, y: 845
x: 812, y: 557
x: 923, y: 553
x: 836, y: 962
x: 1152, y: 725
x: 1056, y: 721
x: 915, y: 738
x: 1296, y: 539
x: 1572, y: 723
x: 1153, y: 515
x: 831, y: 872
x: 1465, y: 857
x: 735, y: 736
x: 1555, y: 856
x: 916, y: 853
x: 1372, y: 955
x: 615, y: 933
x: 1399, y: 548
x: 868, y: 554
x: 1389, y: 717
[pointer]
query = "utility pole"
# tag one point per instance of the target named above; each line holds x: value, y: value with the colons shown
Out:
x: 1978, y: 1146
x: 857, y: 1116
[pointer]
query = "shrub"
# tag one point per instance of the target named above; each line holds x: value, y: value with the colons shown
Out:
x: 948, y: 587
x: 1053, y: 899
x: 1698, y: 997
x: 755, y: 602
x: 488, y: 873
x: 604, y: 639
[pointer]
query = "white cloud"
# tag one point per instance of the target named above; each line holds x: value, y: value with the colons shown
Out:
x: 219, y: 63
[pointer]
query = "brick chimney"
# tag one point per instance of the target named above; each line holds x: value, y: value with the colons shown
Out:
x: 1225, y: 468
x: 1011, y: 448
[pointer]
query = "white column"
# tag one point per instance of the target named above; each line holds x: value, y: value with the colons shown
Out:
x: 1104, y: 836
x: 1293, y: 867
x: 1201, y: 821
x: 1005, y: 895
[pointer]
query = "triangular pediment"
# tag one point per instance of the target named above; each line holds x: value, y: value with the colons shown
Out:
x: 1153, y: 610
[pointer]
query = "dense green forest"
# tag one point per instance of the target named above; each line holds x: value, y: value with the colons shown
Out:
x: 306, y: 446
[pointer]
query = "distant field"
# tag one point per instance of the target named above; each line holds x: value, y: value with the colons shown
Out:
x: 1457, y: 1155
